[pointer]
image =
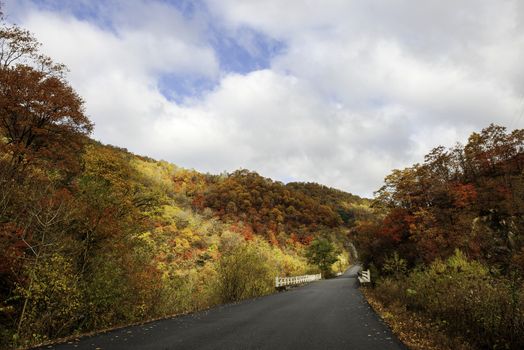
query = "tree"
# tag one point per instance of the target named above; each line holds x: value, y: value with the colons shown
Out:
x: 468, y: 197
x: 42, y: 131
x: 321, y: 252
x: 41, y: 117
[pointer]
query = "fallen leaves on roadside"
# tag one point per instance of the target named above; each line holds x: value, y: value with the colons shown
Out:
x: 413, y: 329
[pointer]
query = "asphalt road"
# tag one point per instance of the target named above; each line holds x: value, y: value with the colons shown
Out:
x: 328, y: 314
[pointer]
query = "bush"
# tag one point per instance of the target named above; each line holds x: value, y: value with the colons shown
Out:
x: 394, y: 265
x: 391, y: 291
x: 51, y: 300
x: 466, y: 299
x: 243, y: 272
x: 248, y: 269
x: 106, y: 295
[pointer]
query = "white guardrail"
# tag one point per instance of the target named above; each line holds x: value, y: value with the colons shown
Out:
x: 290, y: 281
x: 364, y: 276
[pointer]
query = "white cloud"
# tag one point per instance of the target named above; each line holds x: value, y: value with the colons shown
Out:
x: 359, y: 88
x: 117, y: 72
x: 439, y: 71
x: 278, y: 125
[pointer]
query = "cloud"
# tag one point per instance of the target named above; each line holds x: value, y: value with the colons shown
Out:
x: 336, y: 93
x: 279, y: 125
x: 117, y: 71
x: 436, y: 72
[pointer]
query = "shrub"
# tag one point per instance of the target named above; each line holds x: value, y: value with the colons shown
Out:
x: 243, y: 273
x: 466, y: 299
x: 51, y: 300
x: 394, y: 265
x: 105, y: 293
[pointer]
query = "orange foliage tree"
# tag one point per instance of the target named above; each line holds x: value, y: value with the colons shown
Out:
x: 41, y: 116
x: 469, y: 197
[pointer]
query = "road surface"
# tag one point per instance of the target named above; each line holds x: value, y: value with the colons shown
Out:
x: 328, y: 314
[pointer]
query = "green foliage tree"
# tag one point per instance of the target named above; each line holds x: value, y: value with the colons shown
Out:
x: 322, y: 253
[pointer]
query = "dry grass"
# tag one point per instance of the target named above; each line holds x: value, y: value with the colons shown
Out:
x: 413, y: 329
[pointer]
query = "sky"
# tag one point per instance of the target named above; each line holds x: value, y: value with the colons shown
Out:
x: 338, y: 92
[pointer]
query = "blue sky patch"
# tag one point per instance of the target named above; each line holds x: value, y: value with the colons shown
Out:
x: 177, y: 87
x: 240, y: 50
x: 187, y: 8
x: 94, y: 11
x: 246, y: 51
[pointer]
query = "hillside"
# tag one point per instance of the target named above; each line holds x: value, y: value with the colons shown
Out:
x: 126, y: 238
x: 94, y: 237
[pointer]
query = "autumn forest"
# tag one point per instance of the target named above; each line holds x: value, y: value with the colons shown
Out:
x: 94, y: 237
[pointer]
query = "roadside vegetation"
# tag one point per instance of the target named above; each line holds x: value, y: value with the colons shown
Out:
x: 414, y: 329
x: 447, y: 239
